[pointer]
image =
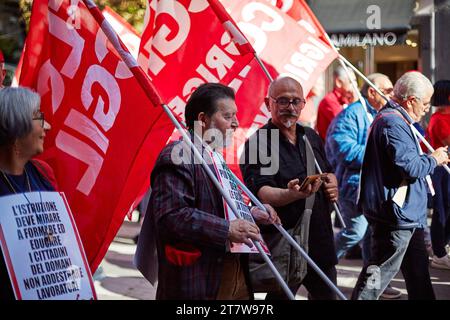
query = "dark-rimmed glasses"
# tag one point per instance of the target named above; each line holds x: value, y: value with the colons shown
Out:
x: 285, y: 102
x: 40, y: 116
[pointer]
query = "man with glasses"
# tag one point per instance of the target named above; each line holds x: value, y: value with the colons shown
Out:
x: 344, y: 147
x: 393, y: 193
x: 282, y: 139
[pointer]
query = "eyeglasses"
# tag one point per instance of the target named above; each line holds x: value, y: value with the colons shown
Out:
x: 40, y: 116
x: 387, y: 91
x: 285, y: 102
x: 423, y: 103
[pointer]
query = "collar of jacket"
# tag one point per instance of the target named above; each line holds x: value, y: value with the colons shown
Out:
x: 394, y: 105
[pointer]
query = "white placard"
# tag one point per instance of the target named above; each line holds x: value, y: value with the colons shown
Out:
x: 42, y: 248
x: 230, y: 186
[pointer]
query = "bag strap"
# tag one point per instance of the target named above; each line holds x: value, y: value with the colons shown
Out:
x: 301, y: 229
x: 310, y: 170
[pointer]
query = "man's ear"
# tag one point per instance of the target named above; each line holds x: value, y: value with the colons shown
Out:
x: 371, y: 92
x: 408, y: 102
x: 202, y: 118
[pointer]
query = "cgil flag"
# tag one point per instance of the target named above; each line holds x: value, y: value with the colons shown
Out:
x: 305, y: 54
x: 179, y: 53
x: 104, y: 127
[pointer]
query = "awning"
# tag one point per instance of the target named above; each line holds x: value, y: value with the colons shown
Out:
x: 351, y: 16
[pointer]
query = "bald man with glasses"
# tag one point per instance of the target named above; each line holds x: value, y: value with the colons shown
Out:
x: 304, y: 212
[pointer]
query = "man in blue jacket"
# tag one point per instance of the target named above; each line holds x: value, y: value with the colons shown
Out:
x: 394, y: 193
x: 345, y: 145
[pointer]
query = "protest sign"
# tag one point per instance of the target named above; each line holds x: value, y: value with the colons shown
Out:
x: 42, y: 248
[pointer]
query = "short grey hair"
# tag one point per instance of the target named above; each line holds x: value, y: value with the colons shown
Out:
x: 17, y: 106
x: 373, y: 77
x: 412, y: 83
x: 340, y: 73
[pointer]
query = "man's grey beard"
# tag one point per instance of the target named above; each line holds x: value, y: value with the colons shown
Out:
x: 288, y: 123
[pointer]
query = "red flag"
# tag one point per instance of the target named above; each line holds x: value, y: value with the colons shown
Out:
x: 293, y: 49
x: 175, y: 51
x: 103, y: 124
x: 300, y: 12
x: 184, y: 44
x: 290, y: 48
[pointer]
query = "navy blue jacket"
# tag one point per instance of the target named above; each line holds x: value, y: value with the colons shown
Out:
x: 392, y: 155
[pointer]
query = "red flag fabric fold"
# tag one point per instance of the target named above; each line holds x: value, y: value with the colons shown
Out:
x: 104, y: 126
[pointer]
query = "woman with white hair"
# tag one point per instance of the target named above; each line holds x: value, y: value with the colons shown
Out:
x: 22, y: 133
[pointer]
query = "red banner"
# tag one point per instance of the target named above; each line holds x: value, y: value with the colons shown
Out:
x: 105, y: 133
x: 288, y: 47
x: 179, y: 54
x: 304, y: 54
x: 184, y: 44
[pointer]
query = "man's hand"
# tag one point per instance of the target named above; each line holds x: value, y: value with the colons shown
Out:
x: 441, y: 155
x: 330, y: 185
x: 294, y: 185
x: 241, y: 230
x: 262, y: 217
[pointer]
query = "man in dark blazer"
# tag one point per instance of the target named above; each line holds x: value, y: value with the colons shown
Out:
x: 186, y: 211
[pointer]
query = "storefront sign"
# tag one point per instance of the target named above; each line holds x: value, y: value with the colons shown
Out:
x: 368, y: 39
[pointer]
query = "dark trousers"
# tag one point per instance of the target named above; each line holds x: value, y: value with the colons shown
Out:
x: 394, y: 250
x: 440, y: 222
x: 317, y: 288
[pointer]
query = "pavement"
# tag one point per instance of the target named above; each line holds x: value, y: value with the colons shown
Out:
x: 117, y: 278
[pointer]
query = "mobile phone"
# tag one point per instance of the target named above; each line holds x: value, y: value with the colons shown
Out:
x: 310, y: 180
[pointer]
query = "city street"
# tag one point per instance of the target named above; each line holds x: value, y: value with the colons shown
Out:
x: 118, y: 279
